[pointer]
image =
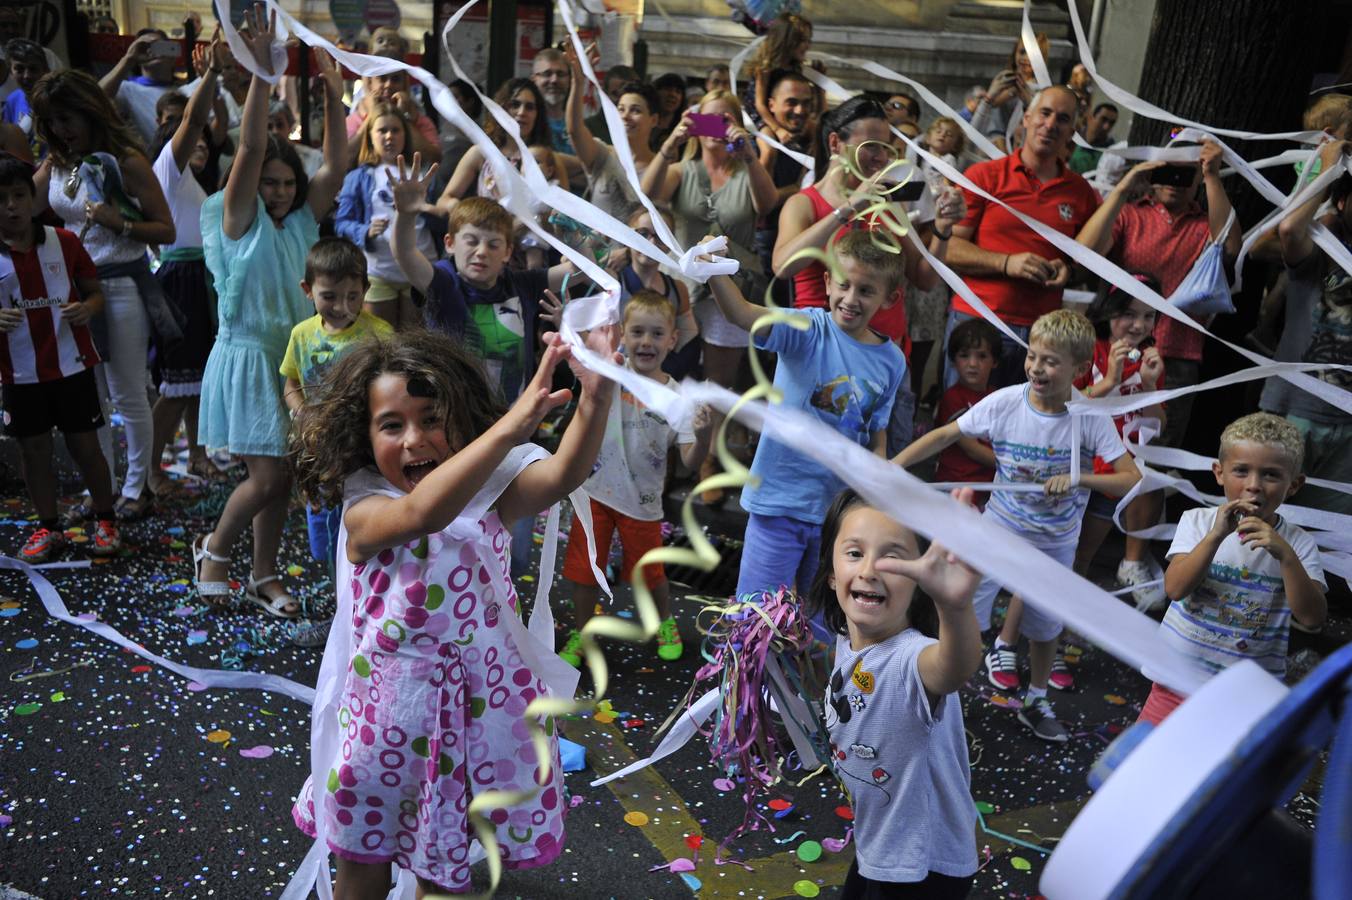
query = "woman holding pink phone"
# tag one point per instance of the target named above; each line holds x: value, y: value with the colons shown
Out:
x: 715, y: 185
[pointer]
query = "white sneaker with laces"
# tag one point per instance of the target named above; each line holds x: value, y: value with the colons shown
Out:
x: 1150, y: 598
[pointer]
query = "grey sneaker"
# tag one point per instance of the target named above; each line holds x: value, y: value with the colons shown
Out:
x: 1038, y: 716
x: 1149, y: 597
x: 311, y: 634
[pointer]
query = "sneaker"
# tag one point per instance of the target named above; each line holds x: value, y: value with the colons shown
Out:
x: 1038, y: 715
x: 669, y: 646
x: 104, y: 540
x: 1002, y: 668
x: 311, y: 634
x: 572, y: 650
x: 1147, y: 599
x: 42, y: 544
x: 1061, y: 677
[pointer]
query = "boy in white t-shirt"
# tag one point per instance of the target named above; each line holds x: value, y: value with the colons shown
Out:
x: 1030, y: 431
x: 1239, y: 573
x: 627, y: 482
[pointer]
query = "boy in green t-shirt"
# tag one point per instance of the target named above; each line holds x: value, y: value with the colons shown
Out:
x: 335, y: 279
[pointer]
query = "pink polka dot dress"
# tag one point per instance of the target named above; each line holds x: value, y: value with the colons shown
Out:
x: 430, y: 713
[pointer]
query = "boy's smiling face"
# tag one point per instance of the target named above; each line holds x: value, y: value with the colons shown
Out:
x: 1261, y: 474
x: 337, y: 300
x: 648, y: 337
x: 1051, y: 373
x: 856, y: 296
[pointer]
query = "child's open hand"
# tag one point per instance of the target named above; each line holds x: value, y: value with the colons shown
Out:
x: 946, y: 579
x: 261, y: 35
x: 1229, y: 514
x: 601, y: 341
x: 702, y: 422
x: 410, y: 189
x: 1254, y: 532
x: 329, y: 71
x: 551, y: 308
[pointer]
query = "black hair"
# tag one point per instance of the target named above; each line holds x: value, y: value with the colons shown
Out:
x: 282, y: 150
x: 647, y: 92
x: 912, y: 102
x: 973, y: 333
x: 15, y: 171
x: 210, y: 176
x: 779, y: 75
x: 669, y: 80
x: 1341, y: 188
x: 821, y: 597
x: 1104, y: 106
x: 1111, y: 301
x: 472, y: 105
x: 840, y: 120
x: 26, y: 51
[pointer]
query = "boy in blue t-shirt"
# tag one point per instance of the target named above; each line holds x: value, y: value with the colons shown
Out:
x: 841, y: 371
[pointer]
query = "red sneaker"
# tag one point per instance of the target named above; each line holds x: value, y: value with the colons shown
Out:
x: 1061, y: 677
x: 1002, y: 668
x: 42, y: 544
x: 104, y: 540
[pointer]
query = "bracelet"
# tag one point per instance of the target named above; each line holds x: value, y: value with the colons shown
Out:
x: 838, y: 212
x: 1004, y: 266
x: 943, y: 237
x: 126, y: 228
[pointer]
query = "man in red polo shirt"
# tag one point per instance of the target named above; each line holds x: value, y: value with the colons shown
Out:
x: 1161, y: 234
x: 1018, y: 274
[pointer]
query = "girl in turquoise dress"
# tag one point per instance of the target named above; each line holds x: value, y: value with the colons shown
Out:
x: 256, y: 234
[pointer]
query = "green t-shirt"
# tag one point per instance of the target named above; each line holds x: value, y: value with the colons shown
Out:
x: 312, y: 350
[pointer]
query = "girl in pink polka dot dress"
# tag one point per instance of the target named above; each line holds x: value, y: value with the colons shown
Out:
x: 429, y: 669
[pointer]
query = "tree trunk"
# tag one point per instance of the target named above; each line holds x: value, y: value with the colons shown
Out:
x: 1246, y: 65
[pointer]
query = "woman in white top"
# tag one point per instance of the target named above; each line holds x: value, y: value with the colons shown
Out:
x: 187, y: 168
x: 99, y: 183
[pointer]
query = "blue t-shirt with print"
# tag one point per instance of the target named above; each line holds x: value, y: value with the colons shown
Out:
x: 848, y: 385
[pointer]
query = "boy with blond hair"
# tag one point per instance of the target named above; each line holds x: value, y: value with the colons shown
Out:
x: 627, y: 482
x: 1238, y: 574
x: 1030, y: 431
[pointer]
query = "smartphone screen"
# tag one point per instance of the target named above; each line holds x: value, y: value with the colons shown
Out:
x: 708, y: 125
x: 164, y: 49
x: 1174, y: 174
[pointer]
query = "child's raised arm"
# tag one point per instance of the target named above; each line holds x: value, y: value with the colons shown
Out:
x: 550, y: 480
x: 945, y: 666
x: 410, y: 201
x: 327, y: 181
x: 927, y: 445
x: 380, y: 522
x: 241, y: 188
x: 693, y: 453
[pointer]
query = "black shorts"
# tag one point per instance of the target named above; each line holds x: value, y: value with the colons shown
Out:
x: 70, y: 404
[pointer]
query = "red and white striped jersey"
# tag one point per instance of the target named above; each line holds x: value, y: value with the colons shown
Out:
x: 45, y: 347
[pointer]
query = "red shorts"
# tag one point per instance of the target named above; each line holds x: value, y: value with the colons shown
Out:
x: 636, y: 538
x: 1159, y: 704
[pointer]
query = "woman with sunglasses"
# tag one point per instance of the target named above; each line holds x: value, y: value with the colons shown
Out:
x: 473, y: 176
x: 98, y: 181
x: 857, y: 157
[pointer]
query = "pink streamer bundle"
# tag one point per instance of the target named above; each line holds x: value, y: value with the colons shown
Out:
x: 757, y: 656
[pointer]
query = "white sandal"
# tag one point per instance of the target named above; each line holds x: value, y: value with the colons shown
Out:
x: 273, y: 606
x: 217, y: 593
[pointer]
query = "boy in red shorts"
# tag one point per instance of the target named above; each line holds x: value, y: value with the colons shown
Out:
x: 627, y: 484
x: 49, y: 290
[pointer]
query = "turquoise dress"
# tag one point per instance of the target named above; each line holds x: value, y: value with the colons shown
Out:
x: 259, y: 301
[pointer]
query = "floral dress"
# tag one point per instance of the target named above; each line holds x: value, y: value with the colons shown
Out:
x: 439, y: 671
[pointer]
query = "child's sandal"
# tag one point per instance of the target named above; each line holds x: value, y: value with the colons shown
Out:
x: 277, y: 606
x: 217, y: 593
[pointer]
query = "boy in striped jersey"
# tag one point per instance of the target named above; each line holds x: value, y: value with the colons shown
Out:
x: 49, y: 291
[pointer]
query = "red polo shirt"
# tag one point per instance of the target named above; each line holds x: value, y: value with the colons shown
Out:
x: 1147, y: 239
x: 1065, y: 203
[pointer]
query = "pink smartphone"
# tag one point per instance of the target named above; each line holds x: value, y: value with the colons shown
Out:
x: 708, y: 125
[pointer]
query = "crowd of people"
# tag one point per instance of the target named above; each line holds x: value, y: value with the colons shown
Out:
x: 365, y: 325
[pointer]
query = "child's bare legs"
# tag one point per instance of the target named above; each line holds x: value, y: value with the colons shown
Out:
x: 1040, y: 657
x: 39, y: 474
x: 363, y: 881
x: 1143, y: 512
x: 1009, y: 632
x: 260, y: 499
x: 164, y: 415
x: 1093, y: 530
